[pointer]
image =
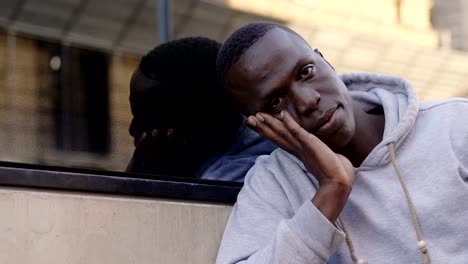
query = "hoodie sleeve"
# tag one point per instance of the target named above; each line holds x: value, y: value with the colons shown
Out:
x: 264, y: 228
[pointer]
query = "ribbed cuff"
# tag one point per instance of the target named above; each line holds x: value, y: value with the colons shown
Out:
x: 316, y: 231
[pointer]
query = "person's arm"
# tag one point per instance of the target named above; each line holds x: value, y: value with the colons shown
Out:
x: 144, y: 155
x: 160, y: 151
x: 264, y: 228
x: 333, y: 171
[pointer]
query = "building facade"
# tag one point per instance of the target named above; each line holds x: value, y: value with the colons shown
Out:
x: 49, y: 106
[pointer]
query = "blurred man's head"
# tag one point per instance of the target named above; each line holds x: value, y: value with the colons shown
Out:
x: 175, y: 86
x: 269, y: 68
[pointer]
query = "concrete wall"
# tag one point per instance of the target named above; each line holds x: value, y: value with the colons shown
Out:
x: 48, y: 227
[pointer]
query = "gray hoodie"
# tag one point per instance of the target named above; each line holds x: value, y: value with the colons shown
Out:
x: 274, y: 220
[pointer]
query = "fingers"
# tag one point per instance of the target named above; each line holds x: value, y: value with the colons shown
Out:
x: 308, y: 141
x: 144, y: 144
x: 170, y: 133
x: 157, y: 150
x: 298, y: 132
x: 274, y: 130
x: 294, y: 128
x: 156, y: 141
x: 165, y: 140
x: 141, y: 139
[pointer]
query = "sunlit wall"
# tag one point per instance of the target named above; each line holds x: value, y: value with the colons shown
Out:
x: 412, y: 39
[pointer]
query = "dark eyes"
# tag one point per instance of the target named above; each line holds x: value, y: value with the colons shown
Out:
x: 277, y: 101
x: 306, y: 72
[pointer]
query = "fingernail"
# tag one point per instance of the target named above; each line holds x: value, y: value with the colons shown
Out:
x: 154, y: 133
x: 282, y: 114
x: 260, y: 117
x: 141, y: 138
x: 251, y: 122
x: 170, y: 132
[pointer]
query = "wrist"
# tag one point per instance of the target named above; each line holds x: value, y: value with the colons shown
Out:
x: 331, y: 198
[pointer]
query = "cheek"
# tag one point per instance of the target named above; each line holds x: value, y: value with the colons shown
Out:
x: 344, y: 90
x: 250, y: 107
x: 244, y: 106
x: 292, y: 110
x: 348, y: 103
x: 350, y: 126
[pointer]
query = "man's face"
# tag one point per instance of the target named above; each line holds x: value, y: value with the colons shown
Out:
x: 282, y: 72
x: 149, y: 101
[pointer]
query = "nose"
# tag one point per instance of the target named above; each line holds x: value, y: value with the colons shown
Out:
x: 305, y: 99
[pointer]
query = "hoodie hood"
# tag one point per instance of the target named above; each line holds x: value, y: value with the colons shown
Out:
x: 400, y: 104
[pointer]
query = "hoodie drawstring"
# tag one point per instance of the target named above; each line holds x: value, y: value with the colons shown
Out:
x: 414, y: 217
x: 421, y: 243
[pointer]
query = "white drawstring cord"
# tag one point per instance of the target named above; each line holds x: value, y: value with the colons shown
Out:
x: 422, y: 246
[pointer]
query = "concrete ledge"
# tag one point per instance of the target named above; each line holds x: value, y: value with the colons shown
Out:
x: 117, y: 183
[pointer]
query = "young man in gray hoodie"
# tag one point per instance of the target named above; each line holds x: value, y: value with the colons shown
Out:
x: 366, y: 173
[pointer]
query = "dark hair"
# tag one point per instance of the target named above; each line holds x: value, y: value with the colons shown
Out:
x: 240, y: 41
x: 178, y: 79
x: 163, y: 62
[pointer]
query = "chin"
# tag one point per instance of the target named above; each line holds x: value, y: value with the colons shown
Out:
x: 341, y: 139
x: 335, y: 145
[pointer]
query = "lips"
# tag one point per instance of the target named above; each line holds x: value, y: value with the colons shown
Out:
x: 325, y: 118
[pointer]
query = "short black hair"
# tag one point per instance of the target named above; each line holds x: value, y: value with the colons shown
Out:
x: 240, y: 41
x: 181, y: 76
x: 186, y: 67
x: 164, y: 62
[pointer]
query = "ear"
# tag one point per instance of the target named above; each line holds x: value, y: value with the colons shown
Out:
x: 318, y: 52
x: 321, y: 55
